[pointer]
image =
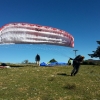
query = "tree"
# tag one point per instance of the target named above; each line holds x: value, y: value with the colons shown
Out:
x: 52, y: 60
x: 25, y: 62
x: 98, y: 42
x: 97, y: 52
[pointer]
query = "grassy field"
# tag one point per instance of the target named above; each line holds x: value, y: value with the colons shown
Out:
x: 50, y: 83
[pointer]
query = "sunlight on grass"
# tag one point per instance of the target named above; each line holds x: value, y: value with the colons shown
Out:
x: 50, y: 83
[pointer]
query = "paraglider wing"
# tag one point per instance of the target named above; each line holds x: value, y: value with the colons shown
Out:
x: 34, y: 34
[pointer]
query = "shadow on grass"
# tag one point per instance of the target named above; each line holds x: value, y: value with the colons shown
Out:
x: 69, y: 86
x: 63, y: 74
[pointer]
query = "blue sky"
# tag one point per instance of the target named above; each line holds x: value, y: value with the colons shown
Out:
x: 81, y: 18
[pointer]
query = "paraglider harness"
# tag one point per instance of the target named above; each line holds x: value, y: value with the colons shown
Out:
x: 69, y: 61
x: 78, y: 59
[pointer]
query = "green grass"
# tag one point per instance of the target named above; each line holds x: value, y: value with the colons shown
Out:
x: 50, y: 83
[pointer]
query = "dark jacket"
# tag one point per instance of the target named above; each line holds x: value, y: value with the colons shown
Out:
x: 37, y: 58
x: 78, y: 60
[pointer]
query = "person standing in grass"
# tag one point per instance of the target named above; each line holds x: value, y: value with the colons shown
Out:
x: 76, y: 64
x: 37, y: 59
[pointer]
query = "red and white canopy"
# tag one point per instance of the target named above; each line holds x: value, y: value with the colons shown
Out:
x: 34, y: 34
